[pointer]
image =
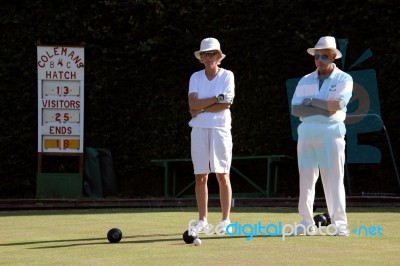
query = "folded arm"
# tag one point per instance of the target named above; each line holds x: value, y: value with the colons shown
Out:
x: 331, y: 105
x: 311, y: 106
x: 197, y: 106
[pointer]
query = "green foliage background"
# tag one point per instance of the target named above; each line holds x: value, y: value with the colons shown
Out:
x: 138, y: 60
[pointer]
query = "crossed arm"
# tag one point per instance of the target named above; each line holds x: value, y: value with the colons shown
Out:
x: 317, y: 107
x: 197, y: 106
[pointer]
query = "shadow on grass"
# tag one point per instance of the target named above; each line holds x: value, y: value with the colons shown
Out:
x: 153, y: 238
x: 104, y: 239
x: 124, y: 241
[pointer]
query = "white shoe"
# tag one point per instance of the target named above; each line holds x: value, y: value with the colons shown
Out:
x: 224, y: 224
x: 200, y: 226
x: 343, y: 232
x: 342, y: 229
x: 301, y: 230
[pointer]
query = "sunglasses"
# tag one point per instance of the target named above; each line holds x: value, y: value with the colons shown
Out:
x: 320, y: 56
x: 208, y: 54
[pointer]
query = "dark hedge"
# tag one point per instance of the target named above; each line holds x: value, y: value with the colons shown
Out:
x: 138, y: 60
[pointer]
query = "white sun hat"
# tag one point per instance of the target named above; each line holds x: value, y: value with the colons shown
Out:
x: 209, y: 44
x: 327, y: 42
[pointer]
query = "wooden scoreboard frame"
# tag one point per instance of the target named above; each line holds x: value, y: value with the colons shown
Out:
x: 60, y: 102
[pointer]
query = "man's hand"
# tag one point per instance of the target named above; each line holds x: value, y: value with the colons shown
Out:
x: 194, y: 113
x: 330, y: 105
x: 307, y: 101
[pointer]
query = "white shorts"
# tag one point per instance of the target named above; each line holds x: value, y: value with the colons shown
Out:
x: 211, y: 150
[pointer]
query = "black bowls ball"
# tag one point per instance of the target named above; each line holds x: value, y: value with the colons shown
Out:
x: 114, y: 235
x: 320, y: 220
x: 189, y: 238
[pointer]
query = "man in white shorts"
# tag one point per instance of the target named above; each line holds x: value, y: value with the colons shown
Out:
x: 211, y: 93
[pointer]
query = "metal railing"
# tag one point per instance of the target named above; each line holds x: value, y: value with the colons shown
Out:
x: 388, y: 142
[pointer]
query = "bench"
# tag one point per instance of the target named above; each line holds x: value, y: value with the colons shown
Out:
x: 273, y: 162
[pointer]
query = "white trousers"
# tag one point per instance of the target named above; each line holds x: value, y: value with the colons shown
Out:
x: 321, y: 150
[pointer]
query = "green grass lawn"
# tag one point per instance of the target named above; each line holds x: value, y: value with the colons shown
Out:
x: 154, y: 237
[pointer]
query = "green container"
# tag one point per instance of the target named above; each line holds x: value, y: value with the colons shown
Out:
x: 58, y: 185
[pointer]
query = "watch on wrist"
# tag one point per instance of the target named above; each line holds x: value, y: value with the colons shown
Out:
x: 309, y: 101
x: 219, y: 97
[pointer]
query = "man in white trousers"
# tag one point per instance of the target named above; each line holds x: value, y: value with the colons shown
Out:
x: 320, y: 101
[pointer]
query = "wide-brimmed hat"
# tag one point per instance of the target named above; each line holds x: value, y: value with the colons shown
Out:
x: 209, y: 44
x: 327, y: 42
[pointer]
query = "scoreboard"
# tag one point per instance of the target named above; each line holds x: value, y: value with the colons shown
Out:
x: 60, y: 99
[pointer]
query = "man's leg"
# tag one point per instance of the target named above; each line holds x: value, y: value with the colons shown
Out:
x: 200, y: 157
x: 332, y: 174
x: 308, y: 178
x: 309, y: 173
x: 220, y: 163
x: 202, y: 196
x: 225, y: 194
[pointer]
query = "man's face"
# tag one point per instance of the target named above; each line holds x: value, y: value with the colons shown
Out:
x: 323, y: 58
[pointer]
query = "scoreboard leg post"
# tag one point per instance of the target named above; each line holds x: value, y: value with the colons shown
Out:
x: 59, y: 184
x: 39, y: 162
x: 81, y: 157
